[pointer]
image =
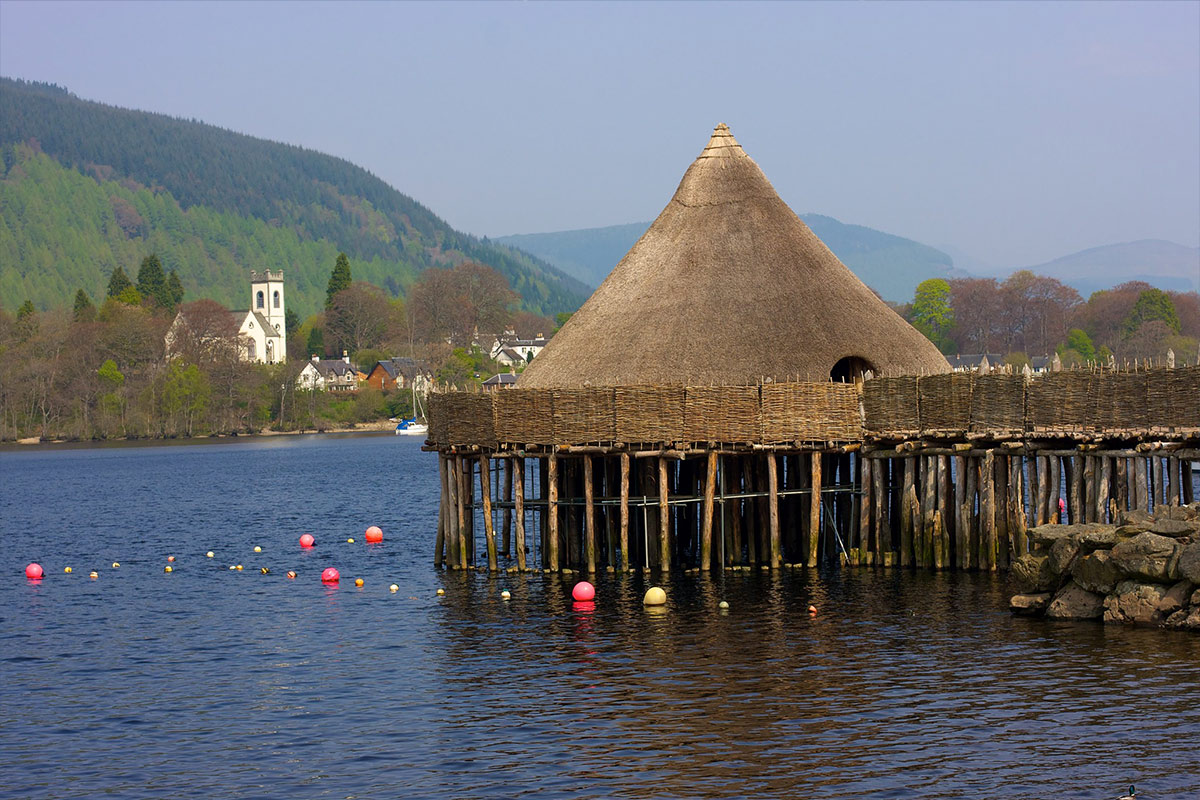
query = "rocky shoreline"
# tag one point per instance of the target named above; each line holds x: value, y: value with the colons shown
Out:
x: 1143, y: 571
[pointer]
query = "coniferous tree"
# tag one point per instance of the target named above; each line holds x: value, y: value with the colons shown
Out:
x: 316, y: 341
x: 339, y: 279
x: 174, y: 288
x: 26, y: 310
x: 152, y: 281
x: 85, y: 310
x: 291, y: 321
x: 118, y: 282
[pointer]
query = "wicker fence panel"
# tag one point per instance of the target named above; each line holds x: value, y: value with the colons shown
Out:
x: 651, y: 414
x: 722, y: 414
x: 1185, y: 398
x: 1125, y: 406
x: 583, y: 416
x: 945, y: 402
x: 842, y: 419
x: 525, y: 416
x: 469, y: 419
x: 891, y: 406
x: 1061, y: 402
x: 437, y: 419
x: 998, y: 404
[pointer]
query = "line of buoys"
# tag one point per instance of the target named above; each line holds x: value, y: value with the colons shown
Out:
x: 583, y: 591
x: 307, y: 540
x: 330, y: 575
x: 34, y: 571
x: 373, y: 535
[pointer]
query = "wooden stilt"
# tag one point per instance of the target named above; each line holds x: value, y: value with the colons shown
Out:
x: 906, y: 511
x: 710, y: 487
x: 1187, y: 481
x: 883, y: 522
x: 506, y: 534
x: 518, y: 476
x: 552, y: 509
x: 1104, y: 481
x: 773, y: 511
x: 439, y: 543
x: 928, y: 506
x: 589, y: 514
x: 1016, y: 509
x: 463, y: 534
x: 972, y: 532
x: 1000, y: 490
x: 1055, y: 481
x: 987, y: 511
x: 485, y: 494
x: 1141, y: 494
x: 1173, y: 481
x: 946, y: 500
x: 1089, y: 488
x: 1032, y: 463
x: 938, y: 538
x: 1078, y: 495
x: 1122, y: 493
x: 1156, y: 482
x: 961, y: 524
x: 1043, y: 493
x: 814, y: 512
x: 624, y: 512
x: 664, y: 521
x: 866, y: 514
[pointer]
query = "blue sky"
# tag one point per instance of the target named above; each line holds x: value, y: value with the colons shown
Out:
x: 1017, y: 132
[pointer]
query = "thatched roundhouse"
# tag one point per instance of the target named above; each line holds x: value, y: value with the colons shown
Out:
x: 729, y: 286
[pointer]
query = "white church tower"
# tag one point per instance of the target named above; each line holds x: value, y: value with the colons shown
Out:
x: 267, y: 305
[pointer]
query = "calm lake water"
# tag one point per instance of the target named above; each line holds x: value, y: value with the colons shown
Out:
x: 211, y: 683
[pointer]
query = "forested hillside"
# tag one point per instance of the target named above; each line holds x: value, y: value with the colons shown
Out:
x: 87, y: 187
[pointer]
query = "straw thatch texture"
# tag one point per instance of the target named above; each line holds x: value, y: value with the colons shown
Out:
x: 525, y: 416
x: 998, y: 404
x: 728, y: 286
x: 946, y: 402
x: 891, y: 406
x: 583, y: 416
x: 649, y: 413
x: 722, y: 414
x: 469, y: 419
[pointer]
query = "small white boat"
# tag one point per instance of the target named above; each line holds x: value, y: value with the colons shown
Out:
x: 411, y: 428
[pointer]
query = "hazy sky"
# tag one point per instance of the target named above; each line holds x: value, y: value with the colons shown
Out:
x: 1014, y: 131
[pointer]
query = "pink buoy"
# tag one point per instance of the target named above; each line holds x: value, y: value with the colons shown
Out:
x: 583, y: 592
x: 330, y: 575
x: 34, y: 571
x: 373, y: 534
x: 307, y: 540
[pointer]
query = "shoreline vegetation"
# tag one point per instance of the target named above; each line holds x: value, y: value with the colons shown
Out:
x: 373, y: 427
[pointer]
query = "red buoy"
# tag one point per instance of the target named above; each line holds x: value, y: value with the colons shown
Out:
x: 34, y: 571
x: 373, y: 534
x: 307, y: 540
x: 330, y: 575
x: 583, y: 592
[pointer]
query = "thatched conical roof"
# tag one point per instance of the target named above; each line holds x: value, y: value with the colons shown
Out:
x: 728, y: 286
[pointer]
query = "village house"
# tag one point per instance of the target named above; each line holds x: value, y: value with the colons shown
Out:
x: 504, y: 380
x: 393, y: 373
x: 329, y: 374
x: 260, y: 328
x: 509, y: 350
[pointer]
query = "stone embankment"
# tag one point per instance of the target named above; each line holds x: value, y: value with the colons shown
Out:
x: 1143, y: 571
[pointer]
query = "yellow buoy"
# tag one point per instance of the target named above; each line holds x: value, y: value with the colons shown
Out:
x: 350, y: 540
x: 209, y: 554
x: 655, y: 596
x: 66, y: 569
x: 167, y: 568
x: 264, y: 570
x: 441, y: 592
x: 116, y: 564
x: 238, y: 567
x: 505, y: 595
x: 257, y: 549
x: 723, y: 605
x: 393, y: 588
x: 358, y: 581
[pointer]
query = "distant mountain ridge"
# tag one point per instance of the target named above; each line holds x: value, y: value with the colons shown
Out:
x: 1160, y: 263
x: 86, y: 187
x: 889, y: 264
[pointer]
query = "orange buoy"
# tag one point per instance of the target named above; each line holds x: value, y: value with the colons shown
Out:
x: 358, y: 582
x: 34, y: 571
x: 812, y: 611
x: 373, y: 534
x: 291, y: 573
x: 307, y: 540
x: 330, y: 575
x: 170, y: 558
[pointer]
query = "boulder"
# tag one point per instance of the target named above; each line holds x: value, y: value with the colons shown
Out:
x: 1134, y: 602
x: 1189, y: 563
x: 1148, y: 556
x: 1033, y: 574
x: 1135, y: 517
x: 1046, y: 535
x: 1174, y: 528
x: 1096, y: 572
x: 1098, y: 539
x: 1175, y: 598
x: 1062, y: 553
x: 1186, y: 513
x: 1186, y: 619
x: 1075, y: 602
x: 1029, y: 604
x: 1196, y: 598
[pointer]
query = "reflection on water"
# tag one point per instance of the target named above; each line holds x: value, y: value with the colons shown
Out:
x: 211, y: 683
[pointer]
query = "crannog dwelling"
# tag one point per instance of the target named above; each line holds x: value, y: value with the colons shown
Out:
x: 260, y: 328
x: 510, y: 350
x: 329, y: 374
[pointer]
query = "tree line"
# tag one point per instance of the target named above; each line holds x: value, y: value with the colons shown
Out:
x: 1033, y: 315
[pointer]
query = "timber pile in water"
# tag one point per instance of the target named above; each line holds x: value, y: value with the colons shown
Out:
x: 1144, y: 570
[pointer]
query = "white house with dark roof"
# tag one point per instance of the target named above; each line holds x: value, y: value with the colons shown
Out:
x: 509, y: 350
x: 329, y: 374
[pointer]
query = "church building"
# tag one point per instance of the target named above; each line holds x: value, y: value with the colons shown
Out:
x: 261, y: 328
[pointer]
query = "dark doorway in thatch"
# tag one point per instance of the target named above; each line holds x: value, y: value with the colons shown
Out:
x: 851, y: 369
